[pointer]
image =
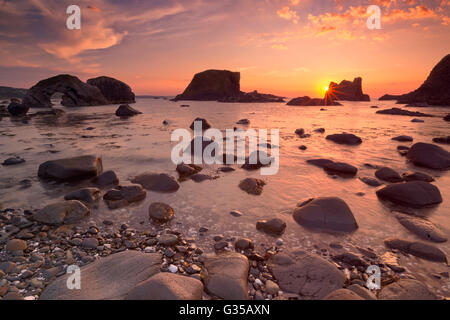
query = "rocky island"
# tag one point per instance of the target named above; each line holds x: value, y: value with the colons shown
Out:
x: 347, y: 91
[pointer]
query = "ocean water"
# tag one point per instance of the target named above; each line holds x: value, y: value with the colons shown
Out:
x: 142, y: 143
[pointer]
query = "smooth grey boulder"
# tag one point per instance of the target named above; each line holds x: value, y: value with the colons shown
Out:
x: 167, y: 286
x: 416, y: 194
x: 429, y: 156
x: 71, y: 168
x: 157, y: 182
x: 225, y: 275
x: 418, y: 249
x: 308, y: 275
x: 406, y: 289
x: 328, y: 214
x: 110, y: 278
x: 421, y: 227
x: 66, y: 212
x: 388, y: 174
x: 343, y: 294
x: 86, y: 195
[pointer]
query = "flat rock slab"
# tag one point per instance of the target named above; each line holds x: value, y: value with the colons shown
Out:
x: 71, y: 168
x: 110, y: 278
x: 225, y: 275
x: 418, y: 249
x: 406, y: 289
x: 66, y: 212
x: 307, y: 275
x: 421, y: 227
x: 168, y: 286
x: 329, y: 214
x: 415, y: 194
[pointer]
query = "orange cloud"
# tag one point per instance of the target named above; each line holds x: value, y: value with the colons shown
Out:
x: 288, y: 14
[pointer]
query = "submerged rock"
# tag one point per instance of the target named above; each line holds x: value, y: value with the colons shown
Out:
x: 403, y: 150
x: 403, y: 138
x: 160, y: 212
x: 66, y: 212
x: 122, y: 196
x: 388, y: 174
x: 329, y: 214
x: 13, y: 161
x: 345, y: 138
x: 370, y: 181
x: 86, y: 195
x: 126, y: 111
x: 17, y: 109
x: 421, y: 227
x: 225, y: 275
x: 113, y: 90
x: 252, y: 186
x: 417, y: 176
x: 308, y: 275
x: 71, y: 168
x: 340, y: 168
x: 157, y: 182
x: 107, y: 178
x: 429, y: 156
x: 406, y: 289
x: 442, y: 140
x: 416, y: 194
x: 418, y: 249
x: 402, y: 112
x: 307, y: 101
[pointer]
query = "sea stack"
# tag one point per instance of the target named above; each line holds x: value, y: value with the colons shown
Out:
x: 347, y: 91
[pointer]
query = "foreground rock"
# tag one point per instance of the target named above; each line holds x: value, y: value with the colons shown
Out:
x: 157, y: 182
x: 252, y: 186
x: 107, y: 178
x: 307, y: 101
x: 225, y: 275
x: 345, y: 138
x: 86, y: 195
x: 274, y: 226
x: 168, y: 286
x: 309, y: 276
x: 17, y: 109
x: 329, y: 214
x: 347, y: 91
x: 66, y: 212
x: 416, y: 194
x: 187, y: 170
x: 417, y: 176
x: 71, y: 168
x: 126, y: 111
x: 421, y: 227
x: 122, y: 196
x: 406, y: 289
x: 429, y: 156
x: 160, y: 212
x: 113, y: 90
x: 111, y: 278
x: 75, y: 93
x: 418, y: 249
x: 340, y: 168
x: 435, y: 90
x: 442, y: 140
x: 343, y: 294
x: 388, y: 174
x: 402, y: 112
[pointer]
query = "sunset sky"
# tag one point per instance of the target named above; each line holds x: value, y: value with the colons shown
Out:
x: 285, y: 47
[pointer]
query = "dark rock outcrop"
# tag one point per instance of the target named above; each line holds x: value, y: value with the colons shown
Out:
x: 126, y: 111
x: 253, y: 96
x: 402, y: 112
x: 415, y: 194
x: 347, y: 91
x: 157, y: 182
x: 329, y: 214
x: 18, y: 109
x: 307, y: 101
x: 113, y: 90
x: 212, y: 85
x: 429, y: 156
x: 75, y: 93
x: 71, y: 168
x: 388, y: 97
x: 436, y: 88
x: 442, y: 140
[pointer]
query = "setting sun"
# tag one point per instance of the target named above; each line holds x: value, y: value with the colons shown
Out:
x: 325, y: 89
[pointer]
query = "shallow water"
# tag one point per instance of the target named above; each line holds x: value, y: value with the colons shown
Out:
x: 142, y: 143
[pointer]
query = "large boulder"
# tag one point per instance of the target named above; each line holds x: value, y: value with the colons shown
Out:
x: 212, y: 85
x: 419, y: 249
x: 345, y: 138
x: 429, y: 156
x: 435, y: 90
x: 71, y: 168
x: 307, y: 101
x: 75, y: 93
x: 66, y: 212
x: 415, y: 194
x: 110, y: 278
x: 18, y: 109
x: 406, y: 289
x: 113, y: 90
x: 308, y: 275
x: 159, y: 182
x: 329, y: 214
x: 347, y: 91
x: 168, y: 286
x: 225, y: 275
